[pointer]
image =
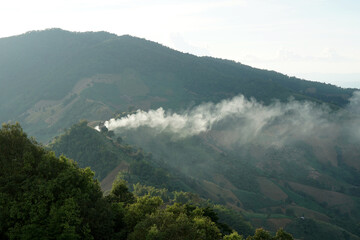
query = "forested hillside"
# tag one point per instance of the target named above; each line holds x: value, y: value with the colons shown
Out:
x: 67, y: 203
x: 51, y: 79
x: 108, y: 155
x: 269, y: 188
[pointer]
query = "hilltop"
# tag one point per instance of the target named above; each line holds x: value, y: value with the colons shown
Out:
x: 51, y: 79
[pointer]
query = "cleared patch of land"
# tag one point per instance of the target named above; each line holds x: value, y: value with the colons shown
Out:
x: 332, y: 199
x: 106, y: 183
x: 271, y: 190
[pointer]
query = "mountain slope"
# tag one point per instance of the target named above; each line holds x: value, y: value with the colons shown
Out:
x: 108, y: 157
x: 271, y: 188
x: 51, y: 79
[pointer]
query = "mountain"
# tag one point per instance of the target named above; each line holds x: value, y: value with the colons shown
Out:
x: 112, y: 158
x: 107, y: 156
x: 51, y: 79
x: 45, y: 197
x: 279, y: 151
x: 270, y: 188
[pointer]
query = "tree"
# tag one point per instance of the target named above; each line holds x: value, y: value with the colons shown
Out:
x: 137, y: 211
x: 176, y: 222
x: 233, y: 236
x: 261, y: 234
x: 120, y: 193
x: 45, y: 197
x: 282, y: 235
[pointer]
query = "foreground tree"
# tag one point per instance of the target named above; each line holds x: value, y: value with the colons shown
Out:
x: 45, y: 197
x: 261, y: 234
x: 176, y: 222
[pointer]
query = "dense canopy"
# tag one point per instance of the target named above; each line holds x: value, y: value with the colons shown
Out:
x: 45, y: 197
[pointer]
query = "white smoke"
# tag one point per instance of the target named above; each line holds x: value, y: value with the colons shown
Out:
x: 200, y: 119
x: 240, y: 120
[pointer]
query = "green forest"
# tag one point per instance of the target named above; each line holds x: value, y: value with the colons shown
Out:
x: 46, y: 197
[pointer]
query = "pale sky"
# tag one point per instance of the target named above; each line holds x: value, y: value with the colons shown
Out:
x: 312, y: 39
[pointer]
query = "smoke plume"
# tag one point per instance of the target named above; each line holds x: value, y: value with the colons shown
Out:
x: 239, y: 121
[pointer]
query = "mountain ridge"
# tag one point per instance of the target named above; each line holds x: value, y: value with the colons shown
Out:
x: 46, y: 65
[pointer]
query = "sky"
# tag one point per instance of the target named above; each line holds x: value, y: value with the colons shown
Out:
x: 311, y: 39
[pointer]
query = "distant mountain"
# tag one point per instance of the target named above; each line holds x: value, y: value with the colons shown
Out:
x: 51, y: 79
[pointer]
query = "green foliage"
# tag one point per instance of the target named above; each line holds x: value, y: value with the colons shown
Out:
x: 90, y: 149
x: 103, y: 154
x: 282, y: 235
x: 120, y: 193
x: 225, y: 218
x: 233, y: 236
x: 43, y: 197
x: 148, y: 172
x: 234, y: 219
x: 138, y: 210
x: 142, y: 190
x: 176, y: 222
x: 261, y: 234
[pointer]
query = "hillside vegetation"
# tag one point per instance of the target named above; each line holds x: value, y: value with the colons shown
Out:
x: 66, y: 202
x: 267, y: 191
x: 51, y: 79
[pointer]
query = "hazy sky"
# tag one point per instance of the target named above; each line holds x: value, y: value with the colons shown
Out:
x: 312, y: 39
